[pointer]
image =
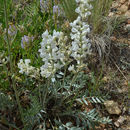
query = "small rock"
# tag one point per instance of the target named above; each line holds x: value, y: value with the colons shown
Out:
x: 124, y: 110
x: 126, y: 81
x: 127, y: 14
x: 110, y: 129
x: 112, y: 107
x: 119, y: 90
x: 122, y: 1
x: 118, y: 13
x: 128, y: 21
x: 116, y: 124
x: 123, y: 8
x: 124, y: 89
x: 105, y: 79
x: 121, y: 119
x: 127, y: 27
x: 113, y: 38
x: 115, y: 4
x: 111, y: 14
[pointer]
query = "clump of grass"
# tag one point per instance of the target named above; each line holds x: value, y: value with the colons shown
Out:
x: 69, y: 7
x: 100, y: 11
x: 12, y: 82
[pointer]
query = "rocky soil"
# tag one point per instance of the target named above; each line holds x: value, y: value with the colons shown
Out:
x: 118, y: 78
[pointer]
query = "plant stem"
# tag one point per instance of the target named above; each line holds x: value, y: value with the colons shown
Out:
x: 40, y: 97
x: 10, y: 60
x: 73, y: 80
x: 46, y: 92
x: 64, y: 78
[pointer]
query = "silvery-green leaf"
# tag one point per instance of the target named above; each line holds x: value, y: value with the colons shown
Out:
x: 53, y: 80
x: 85, y: 101
x: 68, y: 124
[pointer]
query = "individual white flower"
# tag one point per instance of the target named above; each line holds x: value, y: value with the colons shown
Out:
x: 27, y: 61
x: 71, y: 68
x: 84, y: 46
x: 75, y: 46
x: 77, y: 1
x: 77, y: 10
x: 74, y: 30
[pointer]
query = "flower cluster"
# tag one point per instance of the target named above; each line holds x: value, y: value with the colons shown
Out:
x: 56, y: 53
x: 12, y: 31
x: 46, y: 5
x: 80, y: 45
x: 52, y: 52
x: 3, y: 59
x: 28, y: 69
x: 84, y: 8
x: 56, y: 9
x: 26, y: 41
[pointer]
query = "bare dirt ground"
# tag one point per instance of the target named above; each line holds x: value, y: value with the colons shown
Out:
x: 117, y: 75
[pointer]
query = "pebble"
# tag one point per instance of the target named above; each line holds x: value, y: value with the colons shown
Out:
x: 122, y: 1
x: 116, y: 124
x: 115, y: 4
x: 127, y: 14
x: 123, y: 8
x: 111, y: 14
x: 128, y: 21
x: 112, y: 107
x: 121, y: 119
x: 113, y: 38
x: 127, y: 27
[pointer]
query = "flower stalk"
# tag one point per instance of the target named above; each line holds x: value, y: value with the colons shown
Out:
x: 10, y: 60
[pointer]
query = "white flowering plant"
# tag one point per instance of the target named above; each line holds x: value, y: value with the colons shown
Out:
x: 51, y: 86
x: 62, y: 60
x: 60, y: 55
x: 56, y: 52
